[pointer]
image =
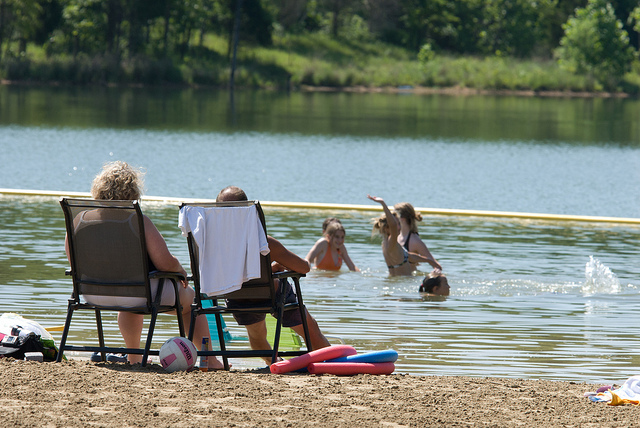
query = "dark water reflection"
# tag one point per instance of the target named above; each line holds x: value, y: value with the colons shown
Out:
x: 485, y: 118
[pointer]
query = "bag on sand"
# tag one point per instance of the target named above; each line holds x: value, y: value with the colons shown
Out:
x: 19, y: 335
x: 17, y: 346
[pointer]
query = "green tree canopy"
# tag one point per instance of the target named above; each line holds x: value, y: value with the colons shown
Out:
x: 595, y: 43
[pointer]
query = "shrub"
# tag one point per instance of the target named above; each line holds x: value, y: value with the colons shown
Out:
x: 595, y: 43
x: 426, y: 54
x: 17, y: 69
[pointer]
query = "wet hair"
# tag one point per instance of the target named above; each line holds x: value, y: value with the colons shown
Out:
x: 380, y: 225
x: 333, y: 227
x: 231, y: 193
x: 328, y: 220
x: 431, y: 282
x: 118, y: 181
x: 406, y: 211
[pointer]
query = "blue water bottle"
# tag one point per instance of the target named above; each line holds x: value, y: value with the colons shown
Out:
x: 203, y: 359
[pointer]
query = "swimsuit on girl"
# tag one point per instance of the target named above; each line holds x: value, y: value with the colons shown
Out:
x: 406, y: 243
x: 327, y: 262
x: 406, y: 259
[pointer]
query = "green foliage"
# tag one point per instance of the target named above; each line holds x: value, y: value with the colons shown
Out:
x: 596, y: 44
x: 634, y: 18
x: 79, y: 70
x: 514, y: 27
x: 18, y: 22
x: 426, y: 54
x: 333, y: 43
x: 423, y: 21
x: 496, y: 73
x: 355, y: 28
x: 84, y: 24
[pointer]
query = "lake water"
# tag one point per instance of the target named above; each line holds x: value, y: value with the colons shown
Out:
x: 521, y: 303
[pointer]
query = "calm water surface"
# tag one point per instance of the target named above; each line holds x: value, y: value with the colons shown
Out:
x: 560, y: 156
x: 521, y: 305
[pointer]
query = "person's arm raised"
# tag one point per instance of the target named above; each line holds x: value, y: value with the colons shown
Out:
x: 391, y: 219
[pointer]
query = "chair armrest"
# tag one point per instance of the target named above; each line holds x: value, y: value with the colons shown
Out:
x: 161, y: 274
x: 288, y: 274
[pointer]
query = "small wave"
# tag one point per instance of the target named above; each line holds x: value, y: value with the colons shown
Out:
x: 599, y: 278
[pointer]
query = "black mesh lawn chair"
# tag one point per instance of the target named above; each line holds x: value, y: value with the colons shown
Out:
x: 108, y: 256
x: 256, y: 295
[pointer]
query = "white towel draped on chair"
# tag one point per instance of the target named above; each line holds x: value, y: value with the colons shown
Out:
x: 230, y: 242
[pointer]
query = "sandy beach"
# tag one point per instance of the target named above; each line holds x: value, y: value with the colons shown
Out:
x: 81, y: 393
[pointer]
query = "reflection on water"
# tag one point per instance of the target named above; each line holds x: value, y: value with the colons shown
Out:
x: 436, y: 117
x: 517, y: 306
x: 559, y: 156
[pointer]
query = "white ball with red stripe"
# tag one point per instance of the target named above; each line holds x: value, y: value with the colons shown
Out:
x: 178, y: 353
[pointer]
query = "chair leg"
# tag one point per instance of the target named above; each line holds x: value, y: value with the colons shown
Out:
x: 192, y: 325
x: 147, y: 345
x: 178, y: 307
x: 65, y: 332
x: 276, y: 336
x: 303, y: 314
x: 100, y: 334
x: 223, y: 346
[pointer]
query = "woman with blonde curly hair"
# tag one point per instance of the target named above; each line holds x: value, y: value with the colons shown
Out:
x: 119, y: 181
x: 408, y: 236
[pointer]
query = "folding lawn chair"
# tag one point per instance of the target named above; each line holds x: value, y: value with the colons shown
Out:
x: 108, y: 257
x: 212, y: 223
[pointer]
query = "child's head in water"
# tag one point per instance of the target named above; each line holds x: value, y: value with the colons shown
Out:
x: 437, y: 285
x: 327, y: 222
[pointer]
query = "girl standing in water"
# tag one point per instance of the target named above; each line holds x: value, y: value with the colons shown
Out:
x: 408, y: 236
x: 398, y: 259
x: 329, y: 252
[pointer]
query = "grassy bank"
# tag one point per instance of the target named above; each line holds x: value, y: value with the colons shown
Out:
x: 312, y: 60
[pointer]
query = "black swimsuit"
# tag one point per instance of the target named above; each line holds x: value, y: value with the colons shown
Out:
x: 406, y: 243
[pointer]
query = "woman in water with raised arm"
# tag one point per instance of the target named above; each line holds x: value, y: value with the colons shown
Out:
x: 408, y: 236
x: 398, y: 259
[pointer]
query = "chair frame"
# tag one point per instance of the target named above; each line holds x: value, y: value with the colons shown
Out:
x: 261, y: 288
x: 152, y: 307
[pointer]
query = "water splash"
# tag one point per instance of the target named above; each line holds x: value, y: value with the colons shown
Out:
x: 599, y: 278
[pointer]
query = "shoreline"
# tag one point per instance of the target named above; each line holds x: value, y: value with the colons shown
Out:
x: 410, y: 90
x: 464, y: 91
x: 81, y: 393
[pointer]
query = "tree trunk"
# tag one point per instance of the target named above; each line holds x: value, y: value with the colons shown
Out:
x: 335, y: 23
x: 167, y: 17
x: 135, y: 32
x: 2, y: 14
x: 112, y: 24
x: 236, y: 36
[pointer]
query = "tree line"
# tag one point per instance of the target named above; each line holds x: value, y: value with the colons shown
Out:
x: 595, y: 36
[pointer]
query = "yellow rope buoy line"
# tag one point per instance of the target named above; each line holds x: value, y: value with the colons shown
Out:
x: 353, y: 207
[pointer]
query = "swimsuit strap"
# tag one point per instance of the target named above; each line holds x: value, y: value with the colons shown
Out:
x: 406, y: 259
x: 406, y: 243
